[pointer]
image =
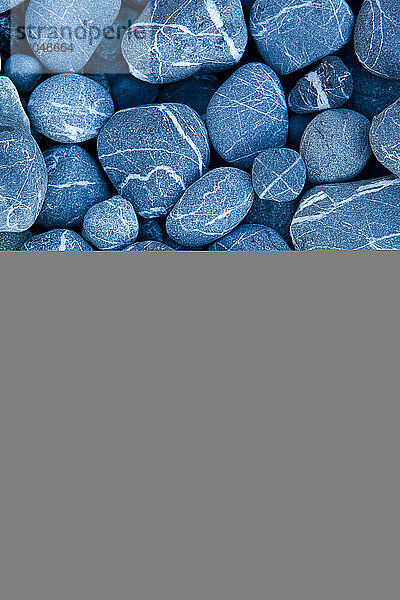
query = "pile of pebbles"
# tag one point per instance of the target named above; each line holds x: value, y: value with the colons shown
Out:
x: 220, y: 125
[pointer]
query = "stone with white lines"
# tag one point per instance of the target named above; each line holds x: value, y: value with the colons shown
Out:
x: 57, y: 240
x: 358, y: 215
x: 70, y: 108
x: 384, y: 137
x: 211, y: 207
x: 291, y: 34
x: 248, y: 114
x: 111, y: 224
x: 173, y: 40
x: 278, y: 175
x: 250, y: 238
x: 153, y: 153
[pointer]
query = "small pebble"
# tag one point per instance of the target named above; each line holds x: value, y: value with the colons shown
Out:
x: 335, y: 146
x: 24, y: 71
x: 111, y: 224
x: 211, y: 207
x: 278, y: 175
x: 56, y: 240
x: 250, y: 238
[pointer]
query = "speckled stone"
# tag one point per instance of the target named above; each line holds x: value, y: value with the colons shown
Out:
x: 127, y: 91
x: 278, y: 175
x: 212, y: 207
x: 13, y: 241
x: 330, y: 85
x: 111, y: 224
x: 171, y: 41
x: 76, y: 182
x: 291, y: 35
x: 149, y: 246
x: 195, y: 91
x: 248, y: 114
x: 24, y: 71
x: 335, y: 146
x: 10, y: 104
x: 359, y: 215
x: 70, y: 108
x: 384, y: 137
x: 377, y: 37
x: 80, y: 24
x: 23, y: 177
x: 56, y: 240
x: 250, y: 238
x: 153, y: 153
x: 8, y: 4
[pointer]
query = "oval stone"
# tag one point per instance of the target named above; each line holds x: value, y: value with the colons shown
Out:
x: 70, y: 108
x: 384, y: 137
x: 248, y: 114
x: 173, y: 40
x: 291, y: 35
x: 278, y: 175
x: 56, y: 240
x: 111, y: 224
x: 24, y: 71
x: 23, y: 177
x: 64, y: 35
x: 153, y: 153
x: 250, y: 238
x: 76, y: 182
x: 377, y: 37
x: 358, y: 215
x: 211, y: 207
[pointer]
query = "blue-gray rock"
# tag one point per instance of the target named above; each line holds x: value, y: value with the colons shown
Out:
x: 359, y: 215
x: 330, y: 85
x: 277, y: 215
x: 297, y: 125
x: 10, y: 104
x: 371, y: 94
x: 377, y: 37
x: 335, y: 146
x: 111, y: 224
x: 250, y: 238
x: 212, y: 207
x: 64, y: 35
x: 24, y: 71
x: 56, y: 240
x: 70, y: 108
x: 278, y: 175
x: 23, y: 177
x: 8, y: 4
x: 171, y: 41
x: 384, y: 137
x: 248, y: 114
x: 195, y: 91
x: 153, y: 153
x: 13, y: 241
x: 150, y: 229
x: 291, y: 35
x: 76, y: 182
x: 149, y: 246
x: 127, y: 91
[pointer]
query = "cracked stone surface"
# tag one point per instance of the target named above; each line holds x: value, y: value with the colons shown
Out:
x: 278, y: 175
x: 248, y: 114
x: 70, y: 108
x: 10, y: 104
x: 212, y: 207
x: 250, y: 237
x: 292, y: 34
x: 149, y: 246
x: 57, y: 240
x: 335, y: 146
x: 384, y: 137
x: 377, y: 37
x: 23, y: 178
x: 359, y: 215
x: 330, y: 85
x: 172, y: 41
x: 76, y: 23
x: 111, y: 224
x: 76, y: 182
x: 153, y: 153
